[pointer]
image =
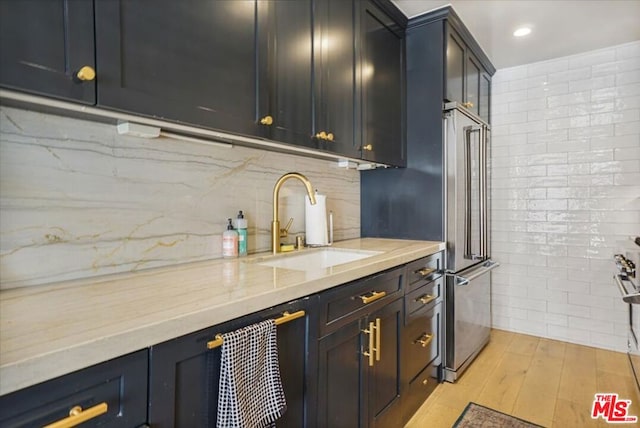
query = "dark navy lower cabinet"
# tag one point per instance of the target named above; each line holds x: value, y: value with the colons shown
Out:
x: 184, y: 373
x: 110, y: 394
x: 359, y: 358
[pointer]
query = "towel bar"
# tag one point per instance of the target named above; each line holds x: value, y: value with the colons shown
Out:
x: 286, y: 317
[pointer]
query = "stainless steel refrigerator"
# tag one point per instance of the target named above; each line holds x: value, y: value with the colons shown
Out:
x: 468, y: 263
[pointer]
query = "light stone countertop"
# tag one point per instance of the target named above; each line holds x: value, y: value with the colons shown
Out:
x: 54, y: 329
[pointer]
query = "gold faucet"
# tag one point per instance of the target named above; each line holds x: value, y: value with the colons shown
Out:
x: 275, y: 224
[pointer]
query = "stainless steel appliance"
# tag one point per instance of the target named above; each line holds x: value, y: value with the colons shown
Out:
x: 468, y: 263
x: 626, y: 279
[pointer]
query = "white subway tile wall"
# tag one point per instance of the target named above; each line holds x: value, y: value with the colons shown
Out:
x: 565, y: 166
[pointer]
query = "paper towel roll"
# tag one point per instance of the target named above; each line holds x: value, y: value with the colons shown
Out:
x: 315, y: 220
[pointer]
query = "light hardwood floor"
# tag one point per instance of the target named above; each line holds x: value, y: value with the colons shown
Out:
x: 544, y: 381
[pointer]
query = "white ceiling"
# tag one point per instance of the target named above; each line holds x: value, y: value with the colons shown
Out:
x: 560, y: 27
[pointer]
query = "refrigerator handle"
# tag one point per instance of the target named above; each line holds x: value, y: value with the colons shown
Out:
x: 465, y: 280
x: 467, y: 192
x: 483, y: 194
x: 467, y: 197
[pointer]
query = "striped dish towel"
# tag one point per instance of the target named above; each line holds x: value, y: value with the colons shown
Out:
x: 251, y: 393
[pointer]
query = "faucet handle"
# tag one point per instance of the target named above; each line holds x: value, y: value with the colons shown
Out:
x: 285, y: 232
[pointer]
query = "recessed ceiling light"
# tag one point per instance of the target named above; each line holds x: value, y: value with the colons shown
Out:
x: 522, y: 31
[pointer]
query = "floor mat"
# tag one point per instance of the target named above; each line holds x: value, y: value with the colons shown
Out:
x: 475, y: 415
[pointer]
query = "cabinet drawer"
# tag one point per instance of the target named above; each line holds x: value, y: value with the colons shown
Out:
x: 424, y: 270
x: 421, y: 341
x: 340, y: 305
x: 424, y: 297
x: 121, y: 384
x: 419, y: 389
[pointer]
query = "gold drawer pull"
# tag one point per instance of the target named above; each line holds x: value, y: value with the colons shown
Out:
x: 284, y: 318
x: 427, y: 298
x: 378, y: 348
x: 287, y: 316
x: 375, y: 295
x: 424, y: 340
x: 78, y: 416
x: 370, y: 353
x: 425, y: 381
x: 425, y: 271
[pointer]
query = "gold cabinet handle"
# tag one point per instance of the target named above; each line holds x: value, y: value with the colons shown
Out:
x: 78, y: 416
x: 424, y: 340
x: 368, y: 147
x: 267, y: 120
x: 378, y: 347
x: 370, y: 353
x: 425, y: 381
x: 215, y: 343
x: 425, y: 271
x: 321, y: 135
x: 375, y: 295
x: 467, y: 105
x: 288, y: 316
x: 86, y: 74
x: 427, y: 298
x: 329, y: 136
x: 285, y: 318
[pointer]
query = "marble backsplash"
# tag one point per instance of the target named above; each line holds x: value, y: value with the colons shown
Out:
x: 79, y: 200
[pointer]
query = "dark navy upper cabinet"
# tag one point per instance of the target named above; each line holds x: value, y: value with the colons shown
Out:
x: 43, y: 46
x: 484, y: 97
x: 192, y: 62
x: 285, y: 71
x: 443, y: 63
x: 467, y: 70
x: 454, y: 89
x: 382, y: 74
x: 335, y: 90
x: 324, y: 74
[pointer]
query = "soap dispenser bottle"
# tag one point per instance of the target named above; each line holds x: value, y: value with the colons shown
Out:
x: 230, y: 242
x: 241, y: 225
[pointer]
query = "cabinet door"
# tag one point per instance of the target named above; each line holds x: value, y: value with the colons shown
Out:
x: 484, y: 103
x: 334, y: 76
x: 340, y: 374
x: 148, y: 67
x: 286, y: 76
x: 118, y: 387
x: 43, y: 45
x: 381, y: 70
x: 472, y: 86
x: 383, y: 394
x: 184, y: 374
x: 454, y: 66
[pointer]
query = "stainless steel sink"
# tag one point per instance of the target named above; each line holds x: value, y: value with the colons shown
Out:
x: 314, y: 259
